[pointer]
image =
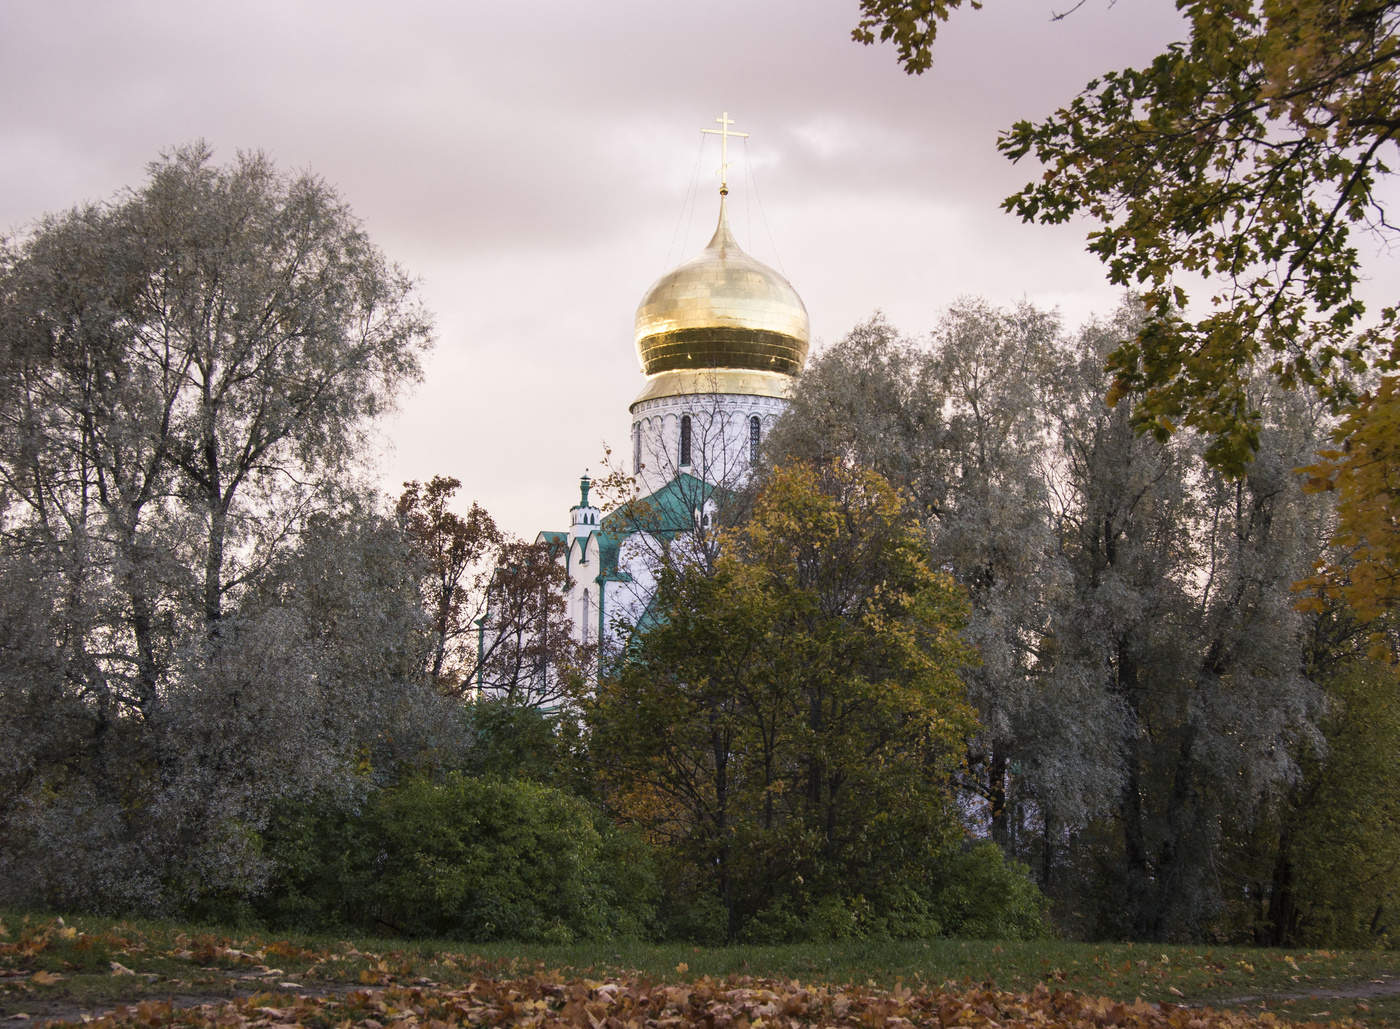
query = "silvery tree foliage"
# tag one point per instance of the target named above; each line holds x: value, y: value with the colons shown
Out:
x: 1142, y: 690
x: 186, y: 376
x: 1181, y: 613
x: 961, y: 426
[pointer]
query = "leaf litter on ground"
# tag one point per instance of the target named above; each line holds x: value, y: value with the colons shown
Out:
x: 129, y: 974
x: 718, y: 1004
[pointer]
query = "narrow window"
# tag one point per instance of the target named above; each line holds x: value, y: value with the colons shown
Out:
x: 585, y: 618
x: 755, y: 429
x: 637, y: 448
x: 685, y: 440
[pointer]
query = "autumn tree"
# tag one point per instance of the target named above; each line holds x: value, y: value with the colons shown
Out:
x: 183, y: 370
x: 1235, y: 180
x: 1177, y: 620
x: 458, y: 555
x: 1148, y: 690
x: 1364, y: 475
x: 961, y: 425
x: 529, y: 655
x: 788, y: 726
x: 1334, y: 877
x: 495, y: 603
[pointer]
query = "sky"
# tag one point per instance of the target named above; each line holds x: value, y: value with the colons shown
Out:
x: 536, y: 164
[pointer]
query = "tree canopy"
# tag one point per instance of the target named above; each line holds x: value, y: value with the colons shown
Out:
x: 788, y: 726
x: 1147, y: 690
x: 1236, y: 181
x: 495, y: 602
x: 214, y: 614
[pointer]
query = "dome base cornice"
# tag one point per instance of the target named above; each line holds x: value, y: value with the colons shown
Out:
x: 716, y: 381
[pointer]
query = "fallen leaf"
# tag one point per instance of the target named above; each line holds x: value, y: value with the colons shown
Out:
x: 119, y: 969
x: 45, y: 978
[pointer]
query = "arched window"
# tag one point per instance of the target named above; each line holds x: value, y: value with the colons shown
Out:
x: 755, y: 431
x: 637, y: 448
x: 685, y: 440
x: 585, y: 619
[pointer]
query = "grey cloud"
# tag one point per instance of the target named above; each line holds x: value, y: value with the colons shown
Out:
x: 502, y: 150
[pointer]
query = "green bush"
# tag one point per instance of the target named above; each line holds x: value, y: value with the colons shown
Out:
x: 466, y: 858
x: 981, y: 895
x: 318, y: 852
x: 970, y: 892
x: 511, y: 741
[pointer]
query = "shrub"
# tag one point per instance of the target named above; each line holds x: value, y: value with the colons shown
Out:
x: 982, y: 895
x: 467, y: 858
x: 512, y: 741
x: 970, y: 892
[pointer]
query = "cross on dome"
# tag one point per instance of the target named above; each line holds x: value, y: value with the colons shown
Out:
x: 723, y: 133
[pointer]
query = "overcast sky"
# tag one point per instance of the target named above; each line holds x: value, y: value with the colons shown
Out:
x: 537, y: 165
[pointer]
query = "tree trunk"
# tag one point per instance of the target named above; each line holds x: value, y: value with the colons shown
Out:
x: 1283, y: 906
x: 214, y: 570
x: 1182, y: 840
x: 1134, y: 840
x: 996, y: 797
x: 719, y: 745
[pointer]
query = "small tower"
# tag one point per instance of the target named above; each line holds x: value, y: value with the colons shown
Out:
x: 584, y: 516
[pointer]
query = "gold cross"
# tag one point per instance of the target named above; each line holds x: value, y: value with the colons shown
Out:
x: 723, y: 133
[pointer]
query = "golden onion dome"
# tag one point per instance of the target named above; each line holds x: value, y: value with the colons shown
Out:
x: 724, y: 317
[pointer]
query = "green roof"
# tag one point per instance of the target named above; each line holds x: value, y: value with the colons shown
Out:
x: 667, y: 512
x: 555, y: 542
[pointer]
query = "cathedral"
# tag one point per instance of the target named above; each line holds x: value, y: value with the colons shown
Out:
x: 721, y: 340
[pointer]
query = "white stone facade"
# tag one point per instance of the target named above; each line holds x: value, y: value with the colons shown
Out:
x: 725, y: 432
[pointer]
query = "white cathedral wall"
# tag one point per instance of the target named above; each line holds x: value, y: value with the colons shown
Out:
x: 627, y: 600
x: 720, y: 454
x: 719, y: 437
x: 581, y: 601
x: 624, y: 600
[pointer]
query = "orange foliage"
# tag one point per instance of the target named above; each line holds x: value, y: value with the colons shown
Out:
x: 1364, y: 472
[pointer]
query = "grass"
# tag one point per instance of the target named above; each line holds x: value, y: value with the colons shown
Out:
x: 57, y: 968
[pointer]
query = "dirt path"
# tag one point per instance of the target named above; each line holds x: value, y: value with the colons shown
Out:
x: 59, y: 1010
x: 1355, y: 991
